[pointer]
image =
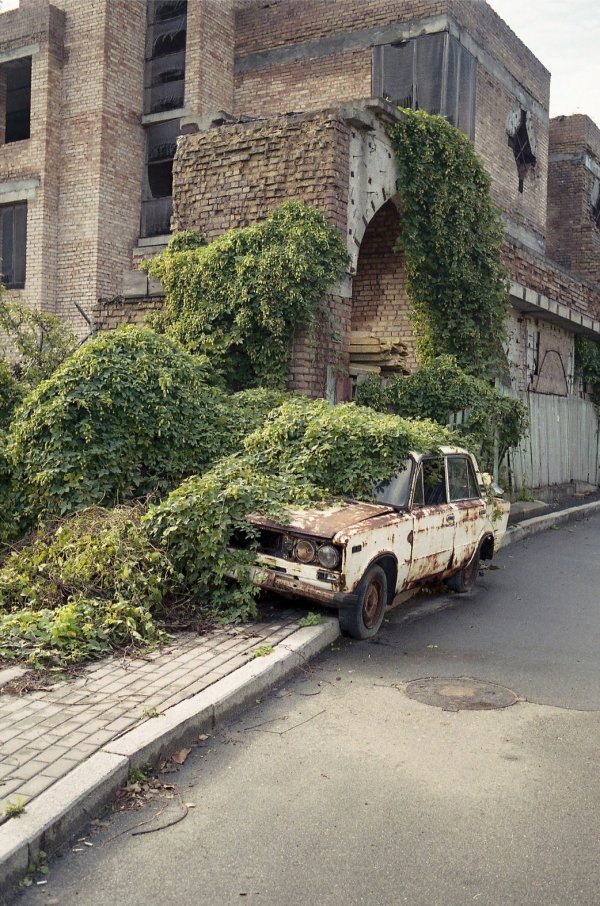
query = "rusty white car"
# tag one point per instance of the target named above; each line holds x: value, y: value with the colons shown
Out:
x: 435, y: 519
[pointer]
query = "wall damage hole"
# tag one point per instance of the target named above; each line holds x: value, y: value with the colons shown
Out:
x: 522, y: 142
x: 460, y: 693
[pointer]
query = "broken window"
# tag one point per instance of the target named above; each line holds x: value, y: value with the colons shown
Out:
x: 161, y: 144
x: 433, y: 73
x: 13, y: 244
x: 15, y: 78
x: 165, y: 56
x: 520, y: 139
x: 164, y: 93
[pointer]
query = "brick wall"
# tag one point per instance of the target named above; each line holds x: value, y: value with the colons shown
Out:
x: 209, y: 56
x: 32, y: 165
x: 509, y: 77
x: 380, y: 302
x: 111, y: 314
x: 102, y: 149
x: 234, y: 175
x: 573, y: 186
x: 543, y: 276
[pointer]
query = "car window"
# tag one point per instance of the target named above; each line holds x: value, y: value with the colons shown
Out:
x: 462, y: 483
x: 395, y: 492
x: 430, y: 484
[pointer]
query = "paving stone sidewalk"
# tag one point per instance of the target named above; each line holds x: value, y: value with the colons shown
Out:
x: 46, y: 734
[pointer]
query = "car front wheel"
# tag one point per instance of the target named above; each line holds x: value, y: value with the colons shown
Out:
x: 363, y: 619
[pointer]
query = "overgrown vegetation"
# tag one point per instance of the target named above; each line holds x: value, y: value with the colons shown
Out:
x: 441, y: 389
x: 239, y: 299
x: 41, y: 340
x: 307, y: 452
x: 587, y: 364
x: 452, y: 239
x: 128, y: 414
x: 82, y: 588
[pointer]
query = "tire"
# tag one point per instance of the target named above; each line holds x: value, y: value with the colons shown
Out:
x: 363, y: 619
x: 464, y: 580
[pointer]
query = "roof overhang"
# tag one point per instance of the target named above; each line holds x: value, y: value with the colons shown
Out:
x: 536, y: 305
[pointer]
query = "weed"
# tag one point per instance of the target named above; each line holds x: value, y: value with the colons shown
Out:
x: 36, y: 866
x: 311, y: 619
x: 139, y: 774
x: 263, y: 651
x: 150, y: 712
x: 16, y: 807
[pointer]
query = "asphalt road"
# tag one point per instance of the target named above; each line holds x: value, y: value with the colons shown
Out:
x: 340, y: 789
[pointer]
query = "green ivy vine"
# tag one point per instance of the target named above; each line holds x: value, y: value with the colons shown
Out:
x: 239, y: 299
x: 452, y: 239
x: 587, y: 364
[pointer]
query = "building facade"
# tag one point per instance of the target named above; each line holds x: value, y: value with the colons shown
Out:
x: 123, y: 119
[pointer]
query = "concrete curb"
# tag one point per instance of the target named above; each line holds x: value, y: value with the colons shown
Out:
x: 71, y: 802
x: 542, y: 523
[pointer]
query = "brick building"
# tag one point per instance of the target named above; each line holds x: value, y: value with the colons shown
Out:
x: 120, y: 119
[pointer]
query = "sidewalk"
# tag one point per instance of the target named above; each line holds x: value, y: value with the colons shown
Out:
x: 68, y: 747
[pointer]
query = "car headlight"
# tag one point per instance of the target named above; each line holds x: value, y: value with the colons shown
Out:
x: 304, y: 551
x: 328, y: 556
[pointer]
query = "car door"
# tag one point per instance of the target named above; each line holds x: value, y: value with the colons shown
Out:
x: 433, y: 520
x: 470, y: 508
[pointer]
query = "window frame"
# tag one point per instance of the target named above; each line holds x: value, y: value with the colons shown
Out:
x: 18, y: 248
x: 471, y: 478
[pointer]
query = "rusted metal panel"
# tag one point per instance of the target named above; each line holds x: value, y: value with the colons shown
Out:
x: 326, y: 522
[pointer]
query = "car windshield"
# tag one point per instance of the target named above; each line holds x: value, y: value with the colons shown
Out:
x: 395, y: 491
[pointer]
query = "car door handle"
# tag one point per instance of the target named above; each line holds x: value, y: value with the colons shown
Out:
x: 450, y: 519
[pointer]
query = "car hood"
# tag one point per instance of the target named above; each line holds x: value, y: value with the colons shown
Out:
x: 323, y: 522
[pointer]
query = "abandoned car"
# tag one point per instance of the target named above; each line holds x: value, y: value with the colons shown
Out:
x: 432, y: 520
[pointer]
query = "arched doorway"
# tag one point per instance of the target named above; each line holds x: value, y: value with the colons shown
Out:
x: 382, y: 339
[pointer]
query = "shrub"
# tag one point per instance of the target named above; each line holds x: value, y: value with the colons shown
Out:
x: 128, y: 414
x: 82, y: 588
x: 440, y: 388
x: 41, y: 340
x: 239, y: 299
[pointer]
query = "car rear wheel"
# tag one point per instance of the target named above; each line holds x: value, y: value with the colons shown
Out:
x: 464, y: 580
x: 363, y: 619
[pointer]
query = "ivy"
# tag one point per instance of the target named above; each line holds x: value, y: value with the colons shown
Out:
x: 452, y: 240
x: 587, y: 363
x: 128, y: 414
x: 83, y: 588
x: 440, y: 389
x: 239, y: 300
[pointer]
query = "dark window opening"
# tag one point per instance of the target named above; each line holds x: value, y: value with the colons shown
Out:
x: 596, y: 211
x: 433, y: 73
x: 164, y: 91
x: 164, y: 83
x: 161, y: 144
x: 520, y: 143
x: 13, y: 244
x: 16, y: 76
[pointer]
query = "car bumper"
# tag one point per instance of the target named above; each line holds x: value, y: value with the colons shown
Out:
x: 272, y: 580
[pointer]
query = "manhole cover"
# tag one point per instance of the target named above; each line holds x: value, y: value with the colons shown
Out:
x: 460, y: 693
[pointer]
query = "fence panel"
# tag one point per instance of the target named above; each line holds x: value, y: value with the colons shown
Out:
x: 563, y: 443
